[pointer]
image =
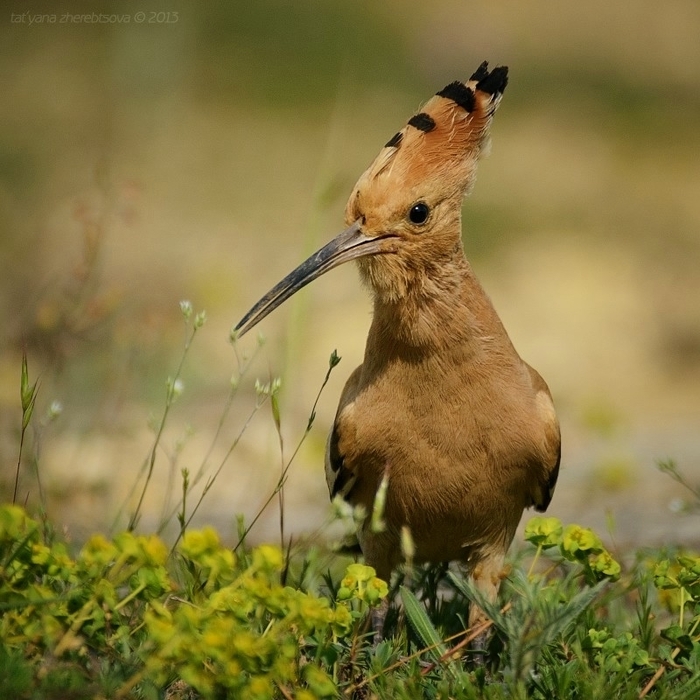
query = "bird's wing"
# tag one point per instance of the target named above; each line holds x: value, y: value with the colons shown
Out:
x: 547, y: 486
x: 548, y: 472
x: 339, y: 476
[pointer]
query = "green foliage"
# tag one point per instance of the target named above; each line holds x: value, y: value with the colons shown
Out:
x: 123, y: 618
x: 361, y: 582
x: 615, y: 654
x: 576, y: 544
x: 27, y: 395
x: 57, y: 608
x: 127, y: 617
x: 222, y: 623
x: 240, y: 631
x: 421, y: 623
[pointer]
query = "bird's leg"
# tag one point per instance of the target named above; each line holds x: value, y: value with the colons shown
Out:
x: 378, y: 617
x: 383, y: 566
x: 486, y: 575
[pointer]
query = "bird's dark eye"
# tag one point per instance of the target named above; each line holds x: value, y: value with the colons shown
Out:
x: 418, y: 214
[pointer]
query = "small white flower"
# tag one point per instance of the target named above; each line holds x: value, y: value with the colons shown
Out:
x: 186, y: 308
x: 200, y: 319
x: 175, y: 388
x: 55, y: 409
x: 677, y: 505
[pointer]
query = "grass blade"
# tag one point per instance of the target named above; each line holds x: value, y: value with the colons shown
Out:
x: 422, y: 626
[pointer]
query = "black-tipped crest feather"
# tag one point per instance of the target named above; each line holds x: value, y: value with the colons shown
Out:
x: 481, y: 72
x: 460, y: 94
x: 495, y: 81
x: 422, y: 121
x: 395, y: 140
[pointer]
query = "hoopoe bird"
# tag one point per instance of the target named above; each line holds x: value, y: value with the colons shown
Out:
x: 442, y: 406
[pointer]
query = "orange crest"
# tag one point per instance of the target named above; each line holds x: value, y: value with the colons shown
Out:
x: 440, y: 145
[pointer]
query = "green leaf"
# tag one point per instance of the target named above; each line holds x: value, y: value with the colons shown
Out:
x: 274, y: 403
x: 536, y: 619
x: 319, y: 681
x: 421, y: 624
x: 467, y: 588
x: 678, y: 636
x: 27, y: 393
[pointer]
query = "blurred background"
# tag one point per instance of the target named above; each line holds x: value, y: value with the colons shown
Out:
x: 201, y: 152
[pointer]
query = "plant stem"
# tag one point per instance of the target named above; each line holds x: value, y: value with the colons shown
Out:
x: 334, y: 360
x: 534, y: 560
x: 151, y: 459
x: 211, y: 481
x: 19, y: 462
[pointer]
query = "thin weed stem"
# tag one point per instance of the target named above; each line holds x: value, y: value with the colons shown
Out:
x: 184, y: 523
x: 243, y: 365
x: 28, y: 399
x: 172, y: 391
x: 332, y: 363
x: 671, y: 468
x: 19, y: 464
x: 534, y: 561
x: 274, y: 405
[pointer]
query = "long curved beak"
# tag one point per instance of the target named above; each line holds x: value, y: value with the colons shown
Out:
x: 348, y: 245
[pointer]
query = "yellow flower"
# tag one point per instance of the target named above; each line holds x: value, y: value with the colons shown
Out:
x: 197, y: 543
x: 543, y: 532
x: 577, y: 539
x: 268, y: 558
x: 155, y: 550
x: 603, y: 563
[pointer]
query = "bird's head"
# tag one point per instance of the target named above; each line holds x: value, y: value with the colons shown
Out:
x: 404, y: 213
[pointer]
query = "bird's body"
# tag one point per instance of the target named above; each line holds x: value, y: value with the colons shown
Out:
x: 464, y: 430
x: 442, y: 407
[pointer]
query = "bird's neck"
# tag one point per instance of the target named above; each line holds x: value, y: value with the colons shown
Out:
x: 439, y: 313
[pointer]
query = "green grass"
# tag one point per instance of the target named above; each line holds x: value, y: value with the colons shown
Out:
x: 133, y: 616
x: 126, y: 618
